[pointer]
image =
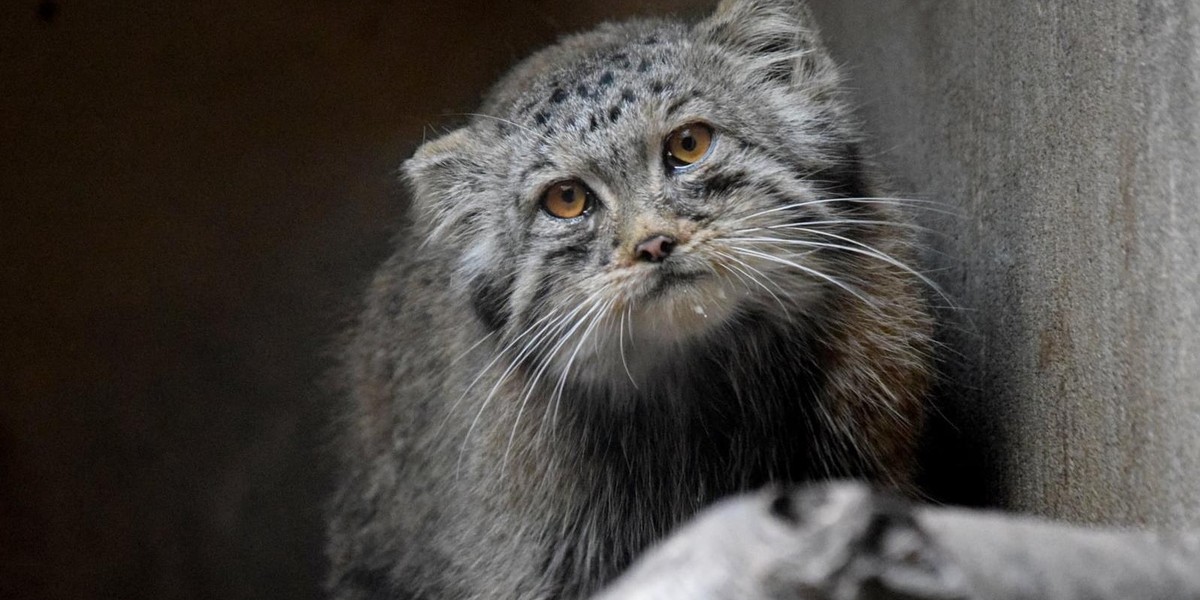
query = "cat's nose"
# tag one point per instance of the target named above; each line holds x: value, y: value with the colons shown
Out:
x: 655, y: 248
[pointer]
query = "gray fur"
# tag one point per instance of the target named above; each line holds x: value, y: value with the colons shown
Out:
x: 531, y: 406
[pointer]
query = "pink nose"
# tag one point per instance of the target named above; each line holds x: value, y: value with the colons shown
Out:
x: 655, y: 248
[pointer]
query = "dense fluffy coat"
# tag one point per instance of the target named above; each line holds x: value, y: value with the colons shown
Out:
x: 531, y: 404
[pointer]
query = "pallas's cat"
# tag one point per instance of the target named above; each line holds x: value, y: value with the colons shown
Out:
x: 650, y: 271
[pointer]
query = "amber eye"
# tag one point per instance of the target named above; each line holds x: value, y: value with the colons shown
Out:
x: 688, y: 144
x: 566, y: 199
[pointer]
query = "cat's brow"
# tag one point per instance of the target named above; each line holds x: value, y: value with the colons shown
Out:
x: 541, y: 165
x: 680, y: 103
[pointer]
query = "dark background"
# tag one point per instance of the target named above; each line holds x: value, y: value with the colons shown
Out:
x: 192, y: 195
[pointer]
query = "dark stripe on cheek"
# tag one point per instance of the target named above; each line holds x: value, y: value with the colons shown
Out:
x: 715, y: 186
x: 542, y: 292
x: 539, y: 302
x: 489, y: 297
x: 780, y: 197
x: 694, y: 215
x: 723, y: 182
x: 571, y: 254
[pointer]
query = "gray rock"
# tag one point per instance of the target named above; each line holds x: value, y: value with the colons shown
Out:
x: 846, y: 542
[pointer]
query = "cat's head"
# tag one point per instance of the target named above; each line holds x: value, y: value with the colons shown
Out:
x: 638, y: 188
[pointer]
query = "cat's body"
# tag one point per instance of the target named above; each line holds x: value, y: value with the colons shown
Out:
x: 536, y: 397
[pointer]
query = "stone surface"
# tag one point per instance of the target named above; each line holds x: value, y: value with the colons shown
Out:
x: 843, y: 541
x: 1066, y: 134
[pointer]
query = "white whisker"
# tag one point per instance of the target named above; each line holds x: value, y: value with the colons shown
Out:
x: 487, y: 367
x: 621, y: 341
x: 548, y: 357
x: 494, y: 117
x: 532, y: 343
x: 464, y: 353
x: 926, y: 205
x: 862, y: 249
x: 546, y: 334
x: 810, y: 271
x: 562, y: 380
x: 755, y: 280
x: 800, y: 224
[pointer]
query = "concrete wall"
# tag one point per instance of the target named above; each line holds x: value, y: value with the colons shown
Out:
x: 1067, y: 136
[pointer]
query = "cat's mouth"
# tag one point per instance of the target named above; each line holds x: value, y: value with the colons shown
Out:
x: 668, y: 280
x: 653, y: 312
x: 676, y: 301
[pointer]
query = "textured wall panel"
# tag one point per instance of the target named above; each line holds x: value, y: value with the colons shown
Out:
x: 1067, y: 136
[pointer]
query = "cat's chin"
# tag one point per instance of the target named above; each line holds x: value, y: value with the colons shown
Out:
x: 660, y: 328
x: 682, y: 312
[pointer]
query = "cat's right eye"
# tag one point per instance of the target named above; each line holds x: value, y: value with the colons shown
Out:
x: 567, y: 199
x: 688, y: 145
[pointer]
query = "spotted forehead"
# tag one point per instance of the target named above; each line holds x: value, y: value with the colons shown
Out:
x: 594, y: 90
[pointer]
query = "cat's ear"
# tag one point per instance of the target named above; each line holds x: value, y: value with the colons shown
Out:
x: 444, y: 176
x: 450, y: 196
x: 778, y: 37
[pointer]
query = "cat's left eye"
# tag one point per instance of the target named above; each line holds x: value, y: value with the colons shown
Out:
x: 687, y: 145
x: 566, y: 199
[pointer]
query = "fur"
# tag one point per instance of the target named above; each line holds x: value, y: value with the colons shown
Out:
x: 530, y: 405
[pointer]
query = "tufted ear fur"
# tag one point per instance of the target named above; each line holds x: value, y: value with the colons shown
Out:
x: 450, y: 200
x: 778, y: 37
x: 444, y: 176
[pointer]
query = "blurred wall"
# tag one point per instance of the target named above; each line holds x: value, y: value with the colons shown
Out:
x: 1066, y: 134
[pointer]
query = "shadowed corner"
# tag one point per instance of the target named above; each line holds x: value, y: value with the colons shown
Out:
x: 953, y: 453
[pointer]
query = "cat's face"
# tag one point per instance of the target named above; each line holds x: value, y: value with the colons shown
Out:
x: 642, y: 187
